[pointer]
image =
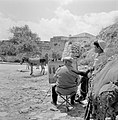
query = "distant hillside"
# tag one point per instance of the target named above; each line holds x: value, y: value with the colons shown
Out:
x: 84, y: 35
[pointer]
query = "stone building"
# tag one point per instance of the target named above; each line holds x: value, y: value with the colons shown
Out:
x: 82, y: 37
x: 55, y: 47
x: 46, y: 48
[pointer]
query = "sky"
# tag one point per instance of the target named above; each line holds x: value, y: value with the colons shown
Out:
x: 48, y: 18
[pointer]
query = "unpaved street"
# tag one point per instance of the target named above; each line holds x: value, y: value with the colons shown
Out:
x: 25, y: 97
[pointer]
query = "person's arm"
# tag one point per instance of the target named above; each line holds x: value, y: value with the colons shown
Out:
x: 81, y: 73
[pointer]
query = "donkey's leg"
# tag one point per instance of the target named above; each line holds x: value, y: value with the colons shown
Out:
x: 43, y: 71
x: 31, y: 70
x: 27, y: 66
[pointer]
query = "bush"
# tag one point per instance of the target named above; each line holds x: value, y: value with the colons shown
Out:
x: 12, y: 59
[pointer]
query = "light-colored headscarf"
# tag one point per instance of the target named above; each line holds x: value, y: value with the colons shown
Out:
x: 102, y: 44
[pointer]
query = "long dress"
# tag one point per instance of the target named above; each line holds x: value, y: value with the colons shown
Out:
x: 109, y: 73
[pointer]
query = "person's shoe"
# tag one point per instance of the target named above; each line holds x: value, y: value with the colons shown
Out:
x: 54, y: 103
x: 78, y: 100
x: 72, y: 103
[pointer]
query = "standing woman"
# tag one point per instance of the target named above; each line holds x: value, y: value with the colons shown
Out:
x: 99, y: 62
x: 101, y: 58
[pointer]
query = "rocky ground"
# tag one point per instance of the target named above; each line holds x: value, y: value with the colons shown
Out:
x: 25, y: 97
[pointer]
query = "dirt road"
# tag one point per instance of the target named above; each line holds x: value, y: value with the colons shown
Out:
x: 25, y: 97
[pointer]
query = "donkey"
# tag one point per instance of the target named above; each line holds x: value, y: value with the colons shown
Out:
x: 34, y: 62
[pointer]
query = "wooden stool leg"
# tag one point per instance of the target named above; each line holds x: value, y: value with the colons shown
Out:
x: 66, y: 100
x: 67, y: 108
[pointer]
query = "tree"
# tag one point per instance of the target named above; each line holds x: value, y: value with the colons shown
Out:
x: 23, y: 34
x: 4, y: 48
x: 7, y: 48
x: 24, y: 39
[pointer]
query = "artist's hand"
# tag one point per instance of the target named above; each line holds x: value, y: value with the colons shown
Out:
x: 89, y: 75
x: 91, y: 69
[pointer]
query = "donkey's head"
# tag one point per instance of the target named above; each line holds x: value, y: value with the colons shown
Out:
x: 24, y: 59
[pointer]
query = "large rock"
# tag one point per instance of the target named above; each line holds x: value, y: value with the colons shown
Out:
x: 110, y: 35
x: 72, y: 49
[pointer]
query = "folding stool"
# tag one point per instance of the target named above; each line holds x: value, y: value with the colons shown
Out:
x: 66, y: 99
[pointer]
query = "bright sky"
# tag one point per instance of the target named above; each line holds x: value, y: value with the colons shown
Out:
x: 50, y: 18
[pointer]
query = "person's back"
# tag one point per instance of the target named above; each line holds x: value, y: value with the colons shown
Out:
x: 66, y: 79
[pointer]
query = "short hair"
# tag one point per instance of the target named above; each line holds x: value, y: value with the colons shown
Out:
x: 96, y: 44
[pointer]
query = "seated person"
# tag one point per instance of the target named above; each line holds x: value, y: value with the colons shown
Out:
x: 67, y: 80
